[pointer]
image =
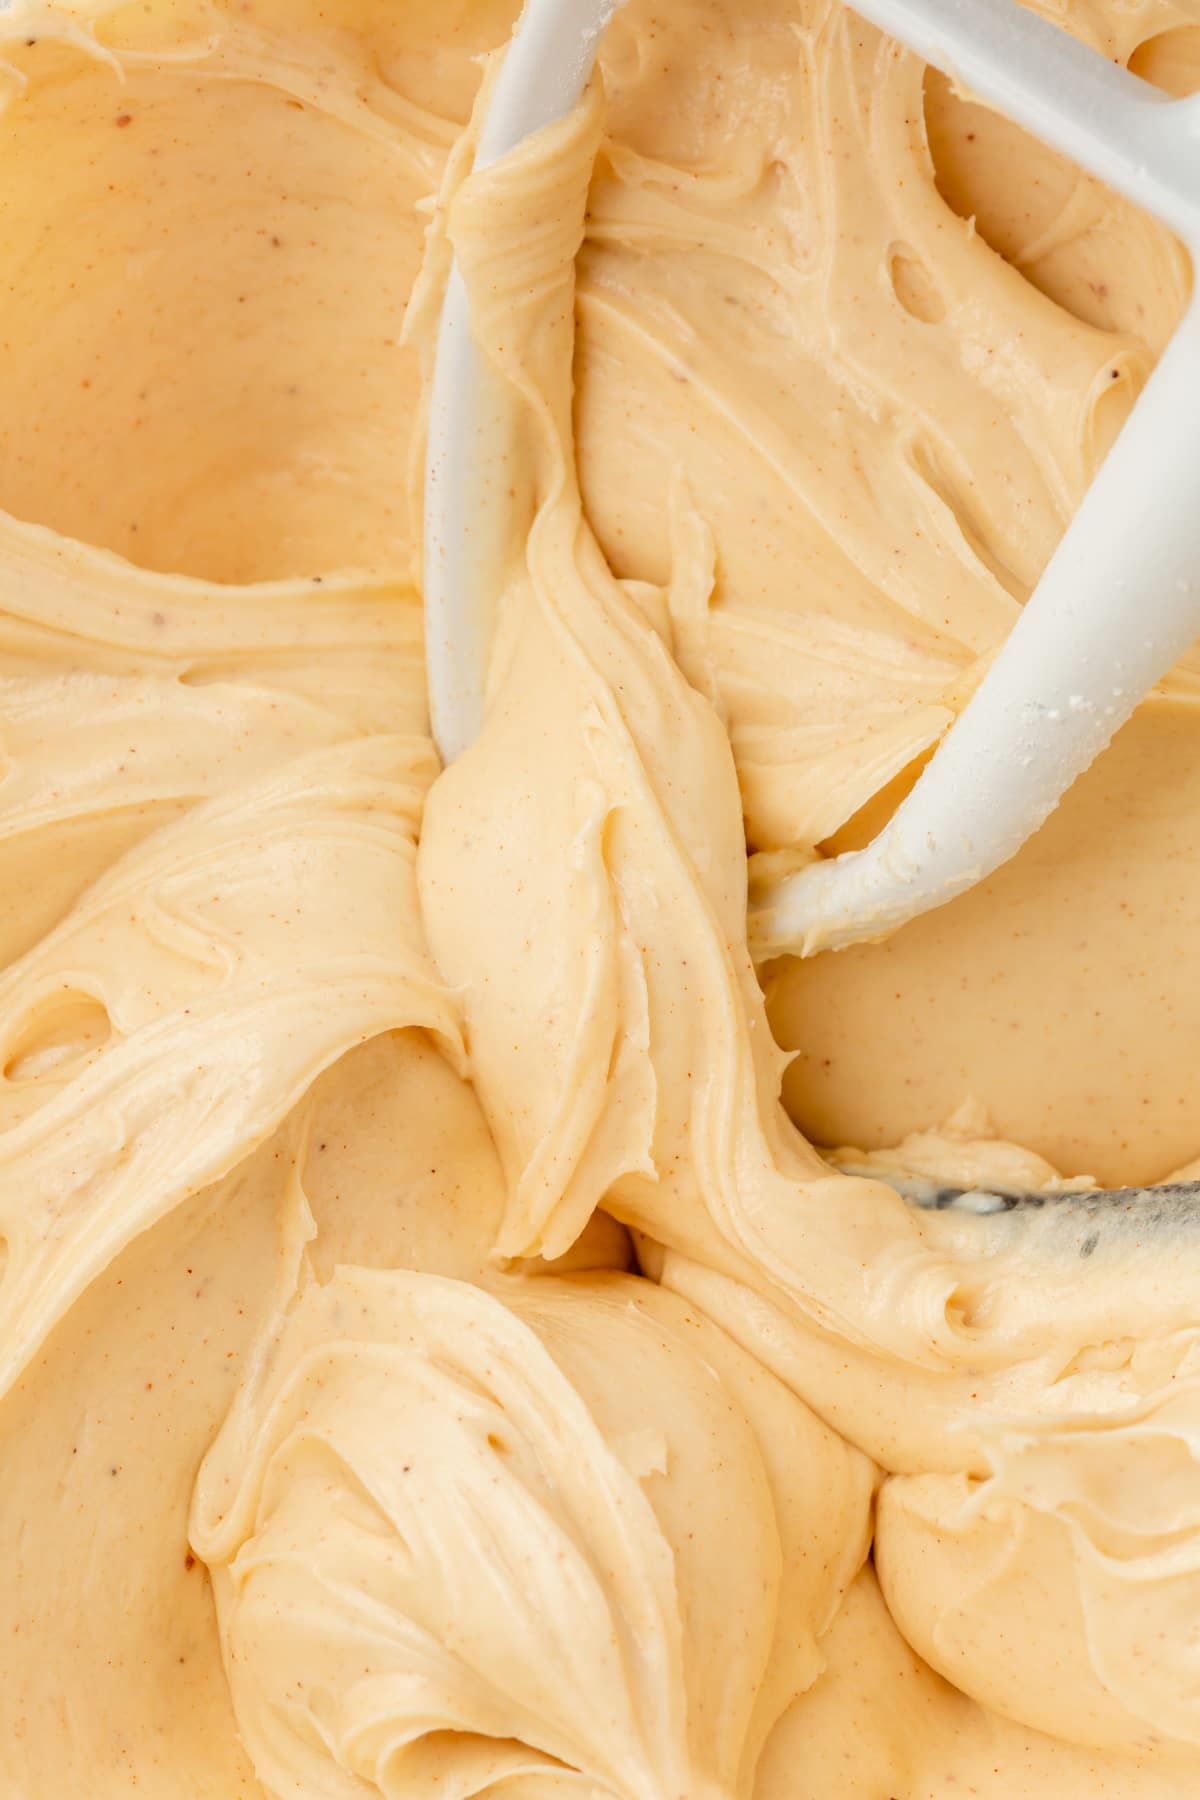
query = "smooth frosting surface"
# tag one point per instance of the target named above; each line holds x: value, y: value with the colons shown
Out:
x: 432, y: 1359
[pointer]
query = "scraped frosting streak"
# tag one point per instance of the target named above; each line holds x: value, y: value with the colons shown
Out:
x: 433, y: 1361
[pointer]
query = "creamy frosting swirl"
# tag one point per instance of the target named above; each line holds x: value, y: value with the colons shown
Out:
x: 572, y: 1543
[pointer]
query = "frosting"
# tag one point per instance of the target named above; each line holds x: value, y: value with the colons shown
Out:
x: 432, y: 1358
x: 577, y: 1539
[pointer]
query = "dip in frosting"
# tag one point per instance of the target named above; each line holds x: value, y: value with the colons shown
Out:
x: 434, y: 1360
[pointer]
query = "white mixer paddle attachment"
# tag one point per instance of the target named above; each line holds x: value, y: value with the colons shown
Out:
x: 1118, y: 603
x: 472, y: 523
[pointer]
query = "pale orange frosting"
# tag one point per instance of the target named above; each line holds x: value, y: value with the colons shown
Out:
x: 432, y: 1360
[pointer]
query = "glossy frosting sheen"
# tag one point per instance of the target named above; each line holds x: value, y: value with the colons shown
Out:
x: 432, y: 1360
